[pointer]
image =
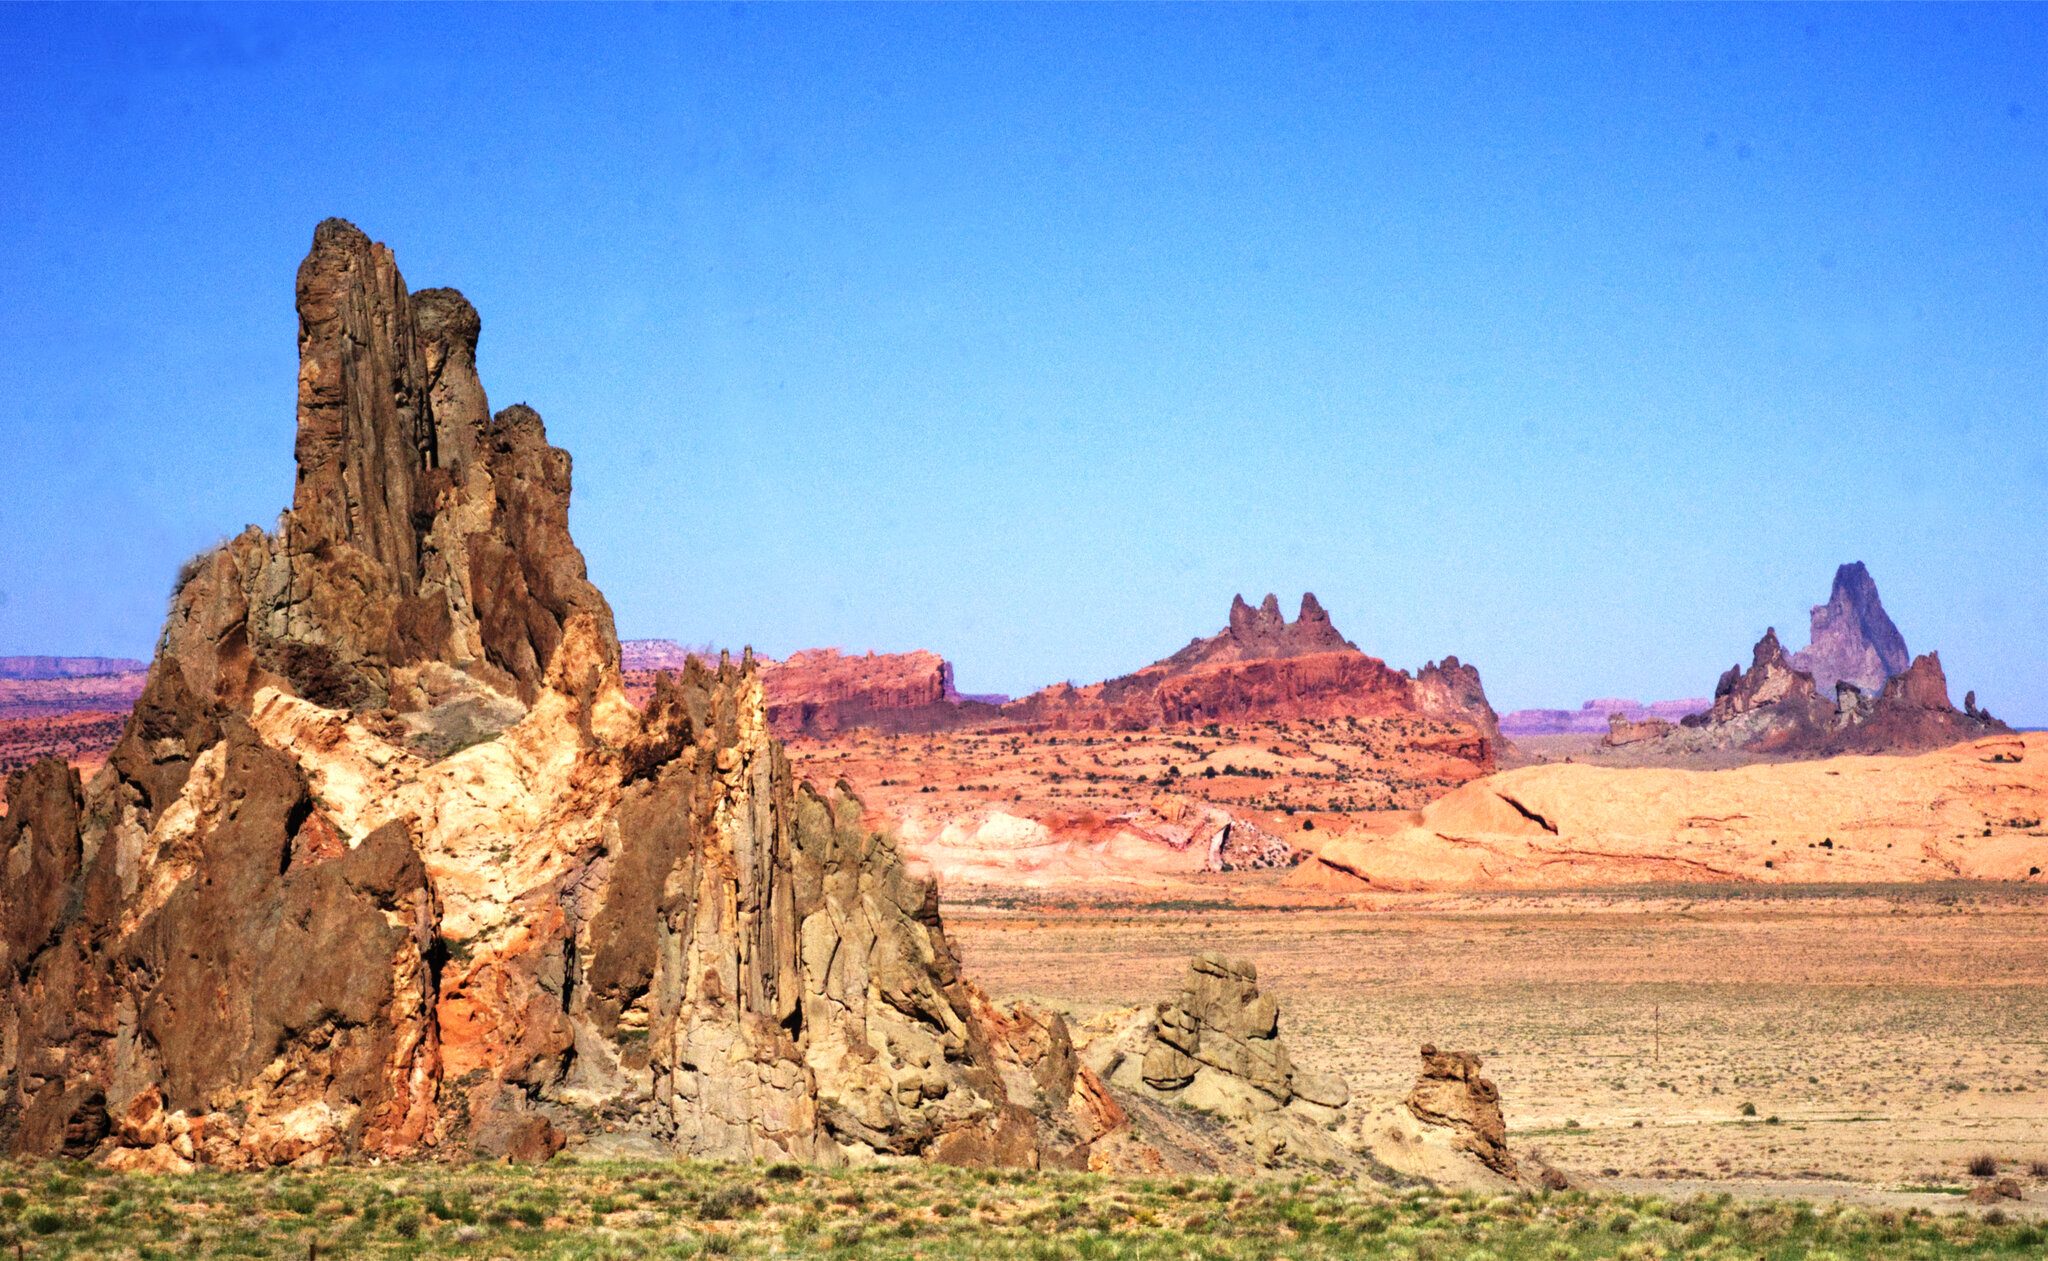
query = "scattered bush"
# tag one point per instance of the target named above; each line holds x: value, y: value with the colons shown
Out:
x: 726, y: 1203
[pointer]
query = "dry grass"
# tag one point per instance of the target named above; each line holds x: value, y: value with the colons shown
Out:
x: 616, y: 1211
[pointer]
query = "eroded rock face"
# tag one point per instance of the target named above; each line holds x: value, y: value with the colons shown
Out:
x: 1450, y: 1094
x: 1217, y: 1048
x: 1264, y: 634
x: 1235, y: 1099
x: 385, y: 862
x: 1850, y: 691
x: 1775, y: 708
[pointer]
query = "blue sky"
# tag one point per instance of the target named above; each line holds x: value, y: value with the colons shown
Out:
x: 1579, y: 342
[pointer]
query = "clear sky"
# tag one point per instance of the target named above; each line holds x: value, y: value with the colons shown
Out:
x: 1580, y: 342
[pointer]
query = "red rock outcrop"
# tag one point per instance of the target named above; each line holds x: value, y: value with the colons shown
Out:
x: 1261, y: 667
x: 1778, y: 708
x: 821, y: 691
x: 1264, y: 634
x: 385, y: 863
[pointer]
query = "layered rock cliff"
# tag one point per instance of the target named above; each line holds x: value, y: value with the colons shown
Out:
x: 385, y: 863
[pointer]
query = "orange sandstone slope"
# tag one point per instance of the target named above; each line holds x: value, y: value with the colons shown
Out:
x: 1971, y: 811
x: 1218, y: 758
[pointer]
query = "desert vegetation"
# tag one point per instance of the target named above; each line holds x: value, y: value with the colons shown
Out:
x: 596, y: 1211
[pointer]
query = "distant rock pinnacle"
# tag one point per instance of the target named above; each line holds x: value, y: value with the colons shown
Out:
x: 1853, y: 640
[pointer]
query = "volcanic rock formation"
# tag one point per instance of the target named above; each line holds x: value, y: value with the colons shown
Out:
x: 384, y: 861
x: 1778, y: 708
x: 1774, y: 708
x: 1852, y: 639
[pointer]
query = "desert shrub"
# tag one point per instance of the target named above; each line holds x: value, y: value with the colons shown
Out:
x: 44, y: 1222
x: 1983, y: 1165
x: 785, y: 1172
x: 1747, y: 1109
x: 727, y: 1203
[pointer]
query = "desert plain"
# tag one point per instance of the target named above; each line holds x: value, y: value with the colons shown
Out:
x: 1854, y: 1041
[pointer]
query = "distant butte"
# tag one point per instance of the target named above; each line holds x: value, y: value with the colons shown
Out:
x: 1260, y: 667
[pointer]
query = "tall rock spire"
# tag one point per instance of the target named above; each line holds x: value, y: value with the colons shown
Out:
x: 1853, y: 640
x: 384, y: 862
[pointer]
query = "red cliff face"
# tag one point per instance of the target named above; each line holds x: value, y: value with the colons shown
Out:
x: 1259, y: 668
x: 822, y: 690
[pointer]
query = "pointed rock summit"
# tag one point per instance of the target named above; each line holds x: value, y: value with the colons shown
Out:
x: 385, y: 864
x: 1853, y: 640
x: 1264, y: 633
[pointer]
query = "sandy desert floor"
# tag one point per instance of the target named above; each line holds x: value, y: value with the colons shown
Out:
x: 1894, y: 1032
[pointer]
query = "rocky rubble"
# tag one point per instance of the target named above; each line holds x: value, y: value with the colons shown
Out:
x: 384, y: 862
